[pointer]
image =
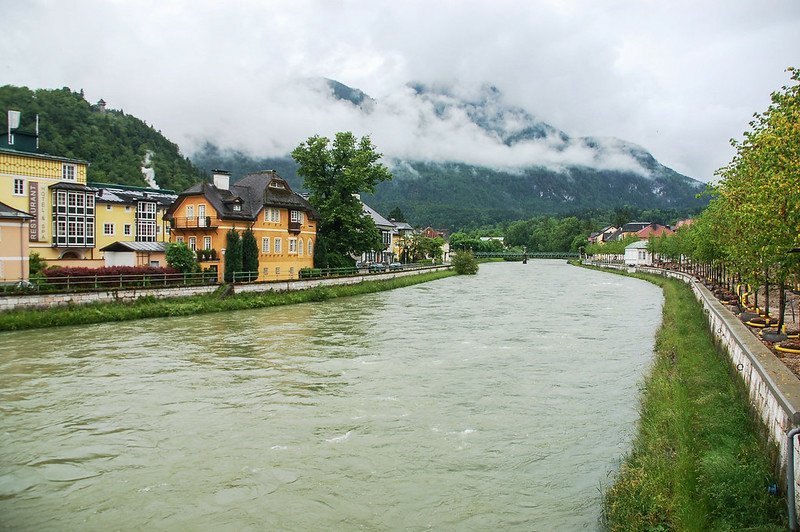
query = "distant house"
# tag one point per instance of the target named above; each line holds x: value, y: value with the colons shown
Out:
x: 14, y: 230
x: 402, y: 232
x: 385, y: 252
x: 603, y: 235
x: 682, y: 223
x: 636, y: 254
x: 653, y: 230
x: 284, y: 223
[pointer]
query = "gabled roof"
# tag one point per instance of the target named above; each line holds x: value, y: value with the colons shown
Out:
x: 380, y: 221
x: 403, y: 226
x: 136, y: 246
x: 639, y: 244
x: 125, y: 195
x: 654, y: 230
x: 7, y: 211
x: 633, y: 227
x: 251, y: 193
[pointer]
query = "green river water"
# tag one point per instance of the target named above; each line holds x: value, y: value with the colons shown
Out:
x: 502, y: 401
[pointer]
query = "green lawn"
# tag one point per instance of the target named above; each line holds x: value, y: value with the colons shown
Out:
x: 700, y: 460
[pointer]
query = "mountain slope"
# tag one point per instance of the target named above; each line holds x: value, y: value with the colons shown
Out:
x: 115, y: 144
x: 540, y: 170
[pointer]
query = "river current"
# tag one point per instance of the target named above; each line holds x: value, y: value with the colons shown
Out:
x: 504, y: 400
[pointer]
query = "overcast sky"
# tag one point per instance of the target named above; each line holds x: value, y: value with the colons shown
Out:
x: 679, y: 78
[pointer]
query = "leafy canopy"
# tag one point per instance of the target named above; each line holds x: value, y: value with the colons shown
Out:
x: 180, y: 257
x: 333, y: 172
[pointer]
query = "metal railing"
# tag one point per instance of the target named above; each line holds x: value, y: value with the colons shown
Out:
x: 245, y: 277
x: 76, y: 283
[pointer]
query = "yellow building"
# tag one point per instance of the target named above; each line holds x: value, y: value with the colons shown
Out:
x: 53, y: 191
x: 284, y: 223
x: 131, y: 214
x: 14, y: 259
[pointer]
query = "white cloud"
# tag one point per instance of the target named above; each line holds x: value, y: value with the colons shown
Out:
x: 679, y: 78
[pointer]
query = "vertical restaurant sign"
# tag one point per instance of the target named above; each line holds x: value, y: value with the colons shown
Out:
x: 44, y: 223
x: 33, y: 210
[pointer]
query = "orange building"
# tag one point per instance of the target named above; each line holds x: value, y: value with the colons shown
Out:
x: 284, y: 223
x: 14, y: 229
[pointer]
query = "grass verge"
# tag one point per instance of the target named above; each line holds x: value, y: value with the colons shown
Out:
x: 700, y: 460
x: 150, y: 307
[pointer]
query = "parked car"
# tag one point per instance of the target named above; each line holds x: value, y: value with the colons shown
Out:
x: 377, y: 267
x: 396, y: 266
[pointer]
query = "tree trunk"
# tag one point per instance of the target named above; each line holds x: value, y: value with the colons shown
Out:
x: 782, y: 305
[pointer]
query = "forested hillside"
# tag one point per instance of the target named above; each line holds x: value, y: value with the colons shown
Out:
x: 115, y: 144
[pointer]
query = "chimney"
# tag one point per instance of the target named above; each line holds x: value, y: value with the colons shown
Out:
x: 222, y: 179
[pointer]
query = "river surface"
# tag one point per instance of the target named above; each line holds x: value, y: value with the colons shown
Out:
x: 497, y: 401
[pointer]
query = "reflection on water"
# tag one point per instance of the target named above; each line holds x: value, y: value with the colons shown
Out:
x: 496, y: 401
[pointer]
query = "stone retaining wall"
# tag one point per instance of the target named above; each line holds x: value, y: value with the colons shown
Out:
x: 773, y: 389
x: 82, y: 298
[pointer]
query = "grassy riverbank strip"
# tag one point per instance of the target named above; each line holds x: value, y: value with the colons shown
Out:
x: 700, y: 460
x: 150, y: 307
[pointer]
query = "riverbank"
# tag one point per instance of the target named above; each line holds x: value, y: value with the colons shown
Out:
x: 699, y: 461
x: 149, y: 307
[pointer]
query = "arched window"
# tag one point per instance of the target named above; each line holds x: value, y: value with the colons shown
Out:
x: 300, y: 247
x: 310, y: 248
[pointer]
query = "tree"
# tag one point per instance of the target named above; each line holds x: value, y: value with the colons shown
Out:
x: 249, y: 251
x: 397, y: 215
x: 233, y: 254
x: 333, y: 173
x: 180, y: 257
x: 464, y: 263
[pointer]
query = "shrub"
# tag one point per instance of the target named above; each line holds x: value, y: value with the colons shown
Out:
x: 464, y: 263
x: 181, y: 258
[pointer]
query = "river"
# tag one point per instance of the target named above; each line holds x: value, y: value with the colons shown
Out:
x: 497, y: 401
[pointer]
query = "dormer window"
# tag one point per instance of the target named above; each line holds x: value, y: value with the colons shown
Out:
x: 277, y: 183
x: 68, y: 172
x: 296, y: 216
x: 237, y: 207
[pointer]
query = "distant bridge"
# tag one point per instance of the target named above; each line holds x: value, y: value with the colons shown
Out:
x: 513, y: 256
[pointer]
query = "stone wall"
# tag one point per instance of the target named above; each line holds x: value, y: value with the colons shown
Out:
x: 11, y: 302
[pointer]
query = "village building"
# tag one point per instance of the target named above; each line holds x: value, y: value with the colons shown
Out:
x: 283, y: 222
x: 384, y: 252
x: 128, y: 214
x: 636, y: 254
x: 14, y: 257
x: 53, y: 191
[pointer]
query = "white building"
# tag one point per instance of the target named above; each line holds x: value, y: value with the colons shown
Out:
x: 636, y: 254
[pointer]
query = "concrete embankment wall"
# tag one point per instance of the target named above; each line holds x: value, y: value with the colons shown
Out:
x: 773, y: 389
x: 83, y: 298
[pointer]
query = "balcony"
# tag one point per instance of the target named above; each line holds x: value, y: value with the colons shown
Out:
x: 294, y: 227
x: 207, y: 222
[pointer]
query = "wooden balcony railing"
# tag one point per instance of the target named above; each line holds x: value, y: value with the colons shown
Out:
x: 207, y: 222
x: 294, y: 227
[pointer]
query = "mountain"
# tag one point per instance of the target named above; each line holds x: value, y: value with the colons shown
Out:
x: 120, y: 148
x: 540, y: 169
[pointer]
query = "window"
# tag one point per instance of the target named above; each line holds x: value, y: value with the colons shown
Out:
x: 272, y: 215
x: 179, y: 239
x: 387, y: 237
x: 19, y: 187
x: 300, y: 247
x: 193, y: 243
x: 278, y: 242
x: 73, y: 219
x: 201, y: 216
x: 68, y: 172
x: 310, y: 248
x: 206, y: 242
x: 108, y: 207
x: 237, y: 207
x: 266, y: 271
x: 292, y: 245
x: 190, y: 212
x: 146, y: 223
x: 296, y: 216
x: 265, y: 244
x: 277, y: 270
x: 108, y: 229
x: 155, y: 263
x: 126, y: 229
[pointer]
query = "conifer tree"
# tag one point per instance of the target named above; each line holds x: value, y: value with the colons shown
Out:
x: 233, y: 255
x: 249, y: 251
